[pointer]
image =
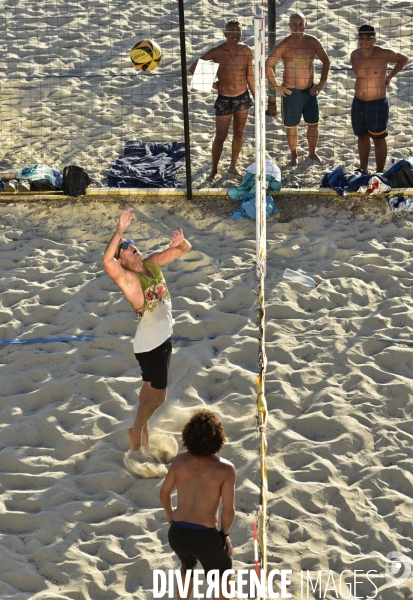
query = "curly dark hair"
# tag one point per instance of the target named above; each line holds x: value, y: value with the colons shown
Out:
x: 204, y: 433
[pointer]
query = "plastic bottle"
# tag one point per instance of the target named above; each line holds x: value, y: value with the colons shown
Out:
x: 390, y: 162
x: 299, y: 278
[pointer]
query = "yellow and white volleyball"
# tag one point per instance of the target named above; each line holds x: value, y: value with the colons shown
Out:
x: 146, y: 55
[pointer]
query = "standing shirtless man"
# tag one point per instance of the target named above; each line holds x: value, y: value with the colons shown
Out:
x: 235, y: 75
x: 202, y: 480
x: 370, y: 109
x: 298, y: 91
x: 143, y: 285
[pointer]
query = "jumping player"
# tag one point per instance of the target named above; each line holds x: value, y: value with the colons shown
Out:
x: 143, y: 285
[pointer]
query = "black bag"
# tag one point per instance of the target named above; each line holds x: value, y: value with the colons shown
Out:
x: 402, y: 178
x: 42, y: 185
x: 75, y: 181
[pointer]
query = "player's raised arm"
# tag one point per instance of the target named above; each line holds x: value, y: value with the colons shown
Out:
x: 110, y: 264
x: 179, y: 246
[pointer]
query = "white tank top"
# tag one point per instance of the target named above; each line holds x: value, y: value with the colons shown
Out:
x: 155, y: 322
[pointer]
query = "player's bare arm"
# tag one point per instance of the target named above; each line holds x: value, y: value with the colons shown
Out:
x: 276, y: 55
x: 179, y: 246
x: 250, y: 72
x: 322, y: 56
x: 400, y: 61
x: 127, y: 281
x: 166, y: 493
x: 228, y: 509
x: 110, y: 264
x: 209, y: 55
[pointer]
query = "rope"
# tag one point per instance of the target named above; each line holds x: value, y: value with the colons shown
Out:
x: 262, y: 415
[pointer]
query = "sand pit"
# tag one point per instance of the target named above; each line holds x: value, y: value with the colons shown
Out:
x: 76, y: 523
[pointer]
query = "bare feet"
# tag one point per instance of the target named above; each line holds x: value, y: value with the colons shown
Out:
x: 211, y: 177
x: 294, y: 159
x: 145, y: 436
x: 134, y: 442
x: 234, y: 171
x: 317, y: 158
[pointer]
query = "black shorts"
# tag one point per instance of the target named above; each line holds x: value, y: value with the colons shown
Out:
x: 155, y: 364
x: 206, y: 545
x: 370, y: 117
x: 227, y: 105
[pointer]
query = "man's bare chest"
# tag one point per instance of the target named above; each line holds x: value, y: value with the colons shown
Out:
x: 232, y: 60
x: 304, y: 51
x: 369, y: 63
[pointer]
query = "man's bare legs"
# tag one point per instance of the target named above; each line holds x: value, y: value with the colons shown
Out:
x: 149, y: 400
x: 380, y: 148
x: 222, y: 124
x: 238, y: 126
x: 292, y: 139
x: 312, y: 138
x: 363, y: 142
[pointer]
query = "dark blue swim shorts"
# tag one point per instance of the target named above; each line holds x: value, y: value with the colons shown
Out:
x: 370, y: 116
x: 297, y: 104
x: 227, y: 105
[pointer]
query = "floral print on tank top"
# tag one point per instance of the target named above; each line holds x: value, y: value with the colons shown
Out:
x: 154, y: 294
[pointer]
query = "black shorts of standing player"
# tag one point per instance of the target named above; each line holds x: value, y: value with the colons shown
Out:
x: 206, y: 545
x: 155, y: 365
x: 370, y: 117
x: 227, y: 105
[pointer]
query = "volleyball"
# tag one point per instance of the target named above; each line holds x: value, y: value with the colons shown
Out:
x: 146, y: 55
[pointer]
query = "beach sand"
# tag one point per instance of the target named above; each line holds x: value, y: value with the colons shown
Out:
x: 76, y: 520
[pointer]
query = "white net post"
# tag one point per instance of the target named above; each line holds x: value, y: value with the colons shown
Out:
x: 260, y: 102
x: 261, y: 243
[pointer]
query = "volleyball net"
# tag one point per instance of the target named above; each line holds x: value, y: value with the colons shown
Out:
x: 70, y: 95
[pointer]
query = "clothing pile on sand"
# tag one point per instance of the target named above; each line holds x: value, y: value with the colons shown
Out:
x: 400, y: 175
x: 147, y: 165
x: 245, y: 192
x: 42, y: 178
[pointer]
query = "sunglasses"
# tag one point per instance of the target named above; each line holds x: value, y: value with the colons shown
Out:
x: 123, y: 246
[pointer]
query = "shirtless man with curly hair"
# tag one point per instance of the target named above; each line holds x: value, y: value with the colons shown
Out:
x: 203, y: 480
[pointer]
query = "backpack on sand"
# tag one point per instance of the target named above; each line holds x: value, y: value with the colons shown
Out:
x: 75, y: 181
x: 400, y: 175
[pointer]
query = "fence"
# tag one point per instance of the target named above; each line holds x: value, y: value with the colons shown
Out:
x: 68, y: 92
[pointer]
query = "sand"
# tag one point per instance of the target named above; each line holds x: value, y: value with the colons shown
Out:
x: 78, y: 521
x: 68, y: 93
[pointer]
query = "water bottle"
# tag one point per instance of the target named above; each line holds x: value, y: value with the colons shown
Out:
x: 390, y: 162
x: 299, y: 278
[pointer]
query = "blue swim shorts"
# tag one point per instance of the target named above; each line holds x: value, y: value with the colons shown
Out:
x: 370, y: 116
x: 297, y: 104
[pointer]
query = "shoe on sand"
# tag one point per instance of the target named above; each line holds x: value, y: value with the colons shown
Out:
x: 23, y: 186
x: 10, y: 186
